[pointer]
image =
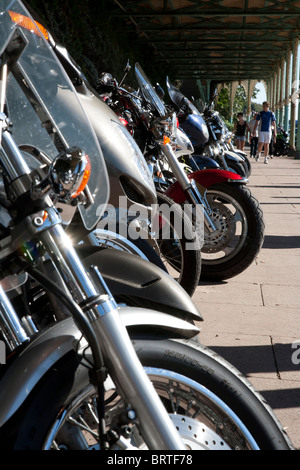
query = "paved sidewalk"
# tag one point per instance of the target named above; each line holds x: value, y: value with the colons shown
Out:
x: 254, y: 319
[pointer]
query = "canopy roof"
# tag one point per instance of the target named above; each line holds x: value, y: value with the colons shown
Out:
x: 222, y: 40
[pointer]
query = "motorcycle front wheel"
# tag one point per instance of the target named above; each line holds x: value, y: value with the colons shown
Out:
x: 177, y: 243
x: 239, y: 233
x: 238, y: 168
x: 171, y: 246
x: 210, y: 403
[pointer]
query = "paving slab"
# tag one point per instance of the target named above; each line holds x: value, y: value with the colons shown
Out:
x: 253, y: 319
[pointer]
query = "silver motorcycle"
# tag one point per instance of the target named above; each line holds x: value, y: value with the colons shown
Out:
x: 132, y: 186
x: 99, y: 378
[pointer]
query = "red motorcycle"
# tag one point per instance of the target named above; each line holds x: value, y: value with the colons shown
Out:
x: 233, y: 220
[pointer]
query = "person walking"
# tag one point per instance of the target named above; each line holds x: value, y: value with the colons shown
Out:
x: 253, y: 136
x: 267, y: 118
x: 272, y: 142
x: 240, y: 128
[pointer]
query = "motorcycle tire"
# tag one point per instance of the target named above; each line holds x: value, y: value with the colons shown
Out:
x: 238, y: 168
x: 171, y: 255
x: 182, y: 261
x: 210, y: 403
x: 247, y: 166
x: 239, y: 235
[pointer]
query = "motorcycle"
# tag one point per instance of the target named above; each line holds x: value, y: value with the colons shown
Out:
x: 218, y: 260
x: 117, y: 385
x: 168, y: 242
x: 282, y: 142
x: 233, y: 220
x: 208, y: 133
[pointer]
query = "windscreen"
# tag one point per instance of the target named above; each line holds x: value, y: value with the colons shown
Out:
x: 42, y: 104
x: 148, y: 91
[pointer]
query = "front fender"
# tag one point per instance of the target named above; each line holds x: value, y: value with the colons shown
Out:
x: 234, y: 157
x: 127, y: 276
x: 204, y: 178
x: 202, y: 162
x: 19, y: 378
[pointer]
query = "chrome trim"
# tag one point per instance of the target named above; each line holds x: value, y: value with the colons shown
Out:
x: 205, y: 391
x: 10, y: 325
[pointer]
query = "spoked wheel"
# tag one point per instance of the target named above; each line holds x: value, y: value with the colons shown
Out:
x: 210, y: 403
x: 175, y: 390
x: 239, y: 233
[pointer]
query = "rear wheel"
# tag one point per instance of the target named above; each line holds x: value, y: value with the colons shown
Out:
x: 211, y: 405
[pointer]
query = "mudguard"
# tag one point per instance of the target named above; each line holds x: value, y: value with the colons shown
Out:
x: 201, y: 162
x: 127, y: 275
x: 19, y: 378
x: 234, y: 157
x: 205, y: 178
x: 240, y: 152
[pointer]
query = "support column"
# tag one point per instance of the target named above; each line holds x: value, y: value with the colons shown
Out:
x: 287, y: 91
x: 200, y: 86
x: 297, y: 155
x: 294, y: 90
x: 271, y: 96
x: 282, y: 73
x: 230, y: 103
x: 274, y: 91
x: 269, y: 92
x: 277, y: 96
x: 249, y: 101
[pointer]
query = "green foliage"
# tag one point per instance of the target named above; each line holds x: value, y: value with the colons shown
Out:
x: 256, y: 107
x: 239, y: 103
x: 229, y: 125
x: 96, y: 41
x: 223, y: 104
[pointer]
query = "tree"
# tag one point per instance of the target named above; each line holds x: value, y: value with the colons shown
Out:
x: 239, y: 103
x: 223, y: 103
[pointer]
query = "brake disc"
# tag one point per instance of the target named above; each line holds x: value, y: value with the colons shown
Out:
x: 196, y: 435
x: 224, y: 222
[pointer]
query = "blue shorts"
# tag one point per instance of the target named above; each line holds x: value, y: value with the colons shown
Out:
x: 240, y: 137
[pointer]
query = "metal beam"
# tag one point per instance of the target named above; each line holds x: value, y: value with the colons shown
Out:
x: 224, y: 78
x: 209, y: 28
x: 223, y: 66
x: 199, y: 14
x: 228, y: 52
x: 218, y: 41
x: 216, y: 61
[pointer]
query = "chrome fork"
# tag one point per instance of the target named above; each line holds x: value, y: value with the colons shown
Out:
x: 99, y: 306
x: 90, y: 291
x: 188, y: 186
